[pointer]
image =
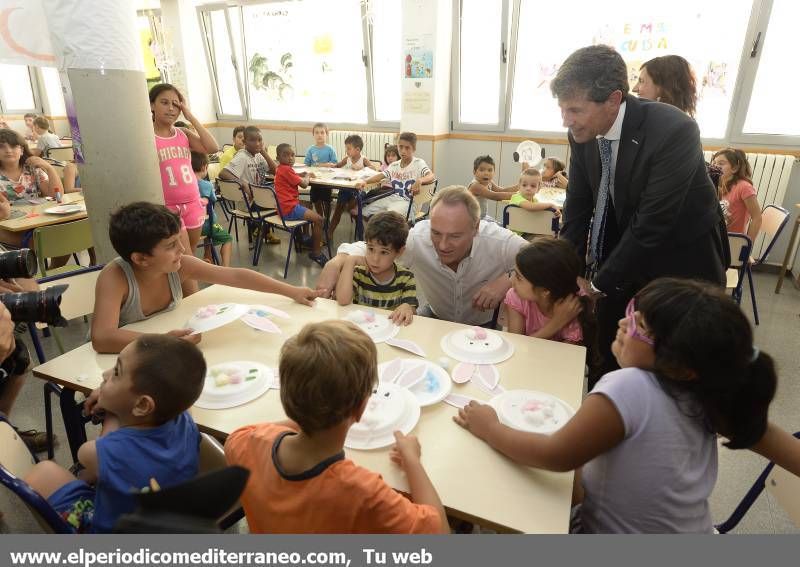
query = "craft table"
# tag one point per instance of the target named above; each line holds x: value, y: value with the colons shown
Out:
x: 790, y: 247
x: 35, y: 215
x: 474, y: 481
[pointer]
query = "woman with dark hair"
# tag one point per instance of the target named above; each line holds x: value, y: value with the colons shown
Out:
x: 174, y: 146
x: 22, y: 176
x: 646, y: 436
x: 737, y: 195
x: 669, y: 79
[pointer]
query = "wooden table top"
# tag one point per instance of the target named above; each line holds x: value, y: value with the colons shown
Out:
x: 473, y: 480
x: 36, y: 215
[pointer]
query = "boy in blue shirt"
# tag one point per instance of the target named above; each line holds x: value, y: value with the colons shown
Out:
x: 321, y: 155
x: 148, y: 437
x: 219, y: 236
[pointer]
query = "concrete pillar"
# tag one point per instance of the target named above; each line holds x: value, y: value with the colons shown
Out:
x: 97, y: 51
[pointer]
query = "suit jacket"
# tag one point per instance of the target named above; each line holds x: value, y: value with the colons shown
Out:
x: 666, y: 216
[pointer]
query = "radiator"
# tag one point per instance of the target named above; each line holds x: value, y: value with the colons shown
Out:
x: 373, y: 143
x: 770, y: 178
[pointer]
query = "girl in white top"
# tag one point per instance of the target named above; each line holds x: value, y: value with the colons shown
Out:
x: 646, y: 435
x: 353, y: 159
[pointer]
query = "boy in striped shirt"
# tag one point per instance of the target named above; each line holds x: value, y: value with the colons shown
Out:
x: 377, y: 281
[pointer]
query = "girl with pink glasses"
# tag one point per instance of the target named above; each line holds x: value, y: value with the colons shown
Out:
x: 646, y: 436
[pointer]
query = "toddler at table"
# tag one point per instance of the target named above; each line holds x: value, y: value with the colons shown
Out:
x: 287, y: 182
x: 211, y: 228
x: 300, y: 479
x: 525, y: 197
x: 379, y: 281
x: 153, y: 273
x: 353, y: 160
x: 321, y: 154
x: 484, y: 187
x: 148, y: 437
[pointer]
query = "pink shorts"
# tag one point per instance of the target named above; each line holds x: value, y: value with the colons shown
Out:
x: 193, y: 213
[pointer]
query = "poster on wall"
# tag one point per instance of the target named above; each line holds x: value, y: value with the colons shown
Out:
x: 72, y: 118
x: 418, y: 57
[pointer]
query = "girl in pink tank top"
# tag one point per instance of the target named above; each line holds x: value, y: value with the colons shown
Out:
x: 174, y: 147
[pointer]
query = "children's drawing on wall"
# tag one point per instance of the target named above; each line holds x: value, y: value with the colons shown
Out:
x: 273, y: 79
x: 715, y: 77
x: 418, y: 57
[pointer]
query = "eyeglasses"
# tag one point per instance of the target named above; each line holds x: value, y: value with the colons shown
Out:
x: 633, y: 330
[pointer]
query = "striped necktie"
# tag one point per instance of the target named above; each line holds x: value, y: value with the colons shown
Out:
x: 601, y: 208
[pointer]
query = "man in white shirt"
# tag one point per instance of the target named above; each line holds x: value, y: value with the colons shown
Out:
x: 460, y: 262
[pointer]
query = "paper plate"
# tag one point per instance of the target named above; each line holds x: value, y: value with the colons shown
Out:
x: 462, y: 346
x: 376, y: 325
x: 213, y: 316
x: 434, y: 386
x: 232, y: 384
x: 532, y: 411
x: 531, y: 152
x: 65, y: 209
x: 390, y: 408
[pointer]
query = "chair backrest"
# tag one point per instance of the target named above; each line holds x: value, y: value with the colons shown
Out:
x: 78, y: 299
x: 422, y: 200
x: 741, y: 247
x: 61, y: 240
x: 64, y: 153
x: 773, y: 220
x: 15, y: 462
x: 212, y: 454
x: 531, y: 222
x: 213, y: 171
x: 264, y: 196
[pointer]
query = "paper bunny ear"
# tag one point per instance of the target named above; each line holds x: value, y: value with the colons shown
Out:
x: 271, y: 311
x: 261, y: 323
x: 412, y: 376
x: 462, y: 372
x: 392, y: 370
x: 488, y: 375
x: 404, y: 344
x: 458, y: 401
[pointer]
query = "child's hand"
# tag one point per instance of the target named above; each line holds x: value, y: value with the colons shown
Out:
x: 35, y: 161
x: 306, y: 295
x: 416, y: 188
x: 477, y: 418
x: 557, y: 213
x: 90, y: 403
x: 403, y: 314
x: 406, y: 450
x: 567, y: 308
x: 311, y: 174
x: 561, y: 180
x: 186, y: 335
x: 360, y: 184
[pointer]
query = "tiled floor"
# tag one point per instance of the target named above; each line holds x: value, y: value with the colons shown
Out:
x: 778, y: 334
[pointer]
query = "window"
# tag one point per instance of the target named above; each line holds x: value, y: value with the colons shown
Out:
x: 53, y: 92
x: 481, y: 66
x: 223, y: 65
x: 16, y: 89
x: 304, y: 61
x: 768, y: 111
x: 709, y: 35
x: 386, y: 43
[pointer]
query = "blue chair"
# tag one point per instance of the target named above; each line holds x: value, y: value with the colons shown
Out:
x: 16, y: 460
x: 749, y: 499
x: 264, y: 197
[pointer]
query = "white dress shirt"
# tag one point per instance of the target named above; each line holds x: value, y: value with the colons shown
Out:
x: 449, y: 293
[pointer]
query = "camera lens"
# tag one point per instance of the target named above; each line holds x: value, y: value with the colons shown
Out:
x: 36, y: 306
x: 18, y: 264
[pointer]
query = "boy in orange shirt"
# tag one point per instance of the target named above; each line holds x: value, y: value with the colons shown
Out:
x: 287, y: 182
x: 300, y: 480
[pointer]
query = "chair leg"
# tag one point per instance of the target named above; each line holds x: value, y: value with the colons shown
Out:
x: 259, y: 242
x: 61, y: 348
x: 215, y: 255
x: 49, y: 388
x: 73, y: 421
x: 289, y: 253
x: 748, y: 500
x: 37, y: 345
x: 752, y: 294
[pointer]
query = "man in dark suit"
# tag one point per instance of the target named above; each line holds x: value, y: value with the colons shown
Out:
x: 640, y: 204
